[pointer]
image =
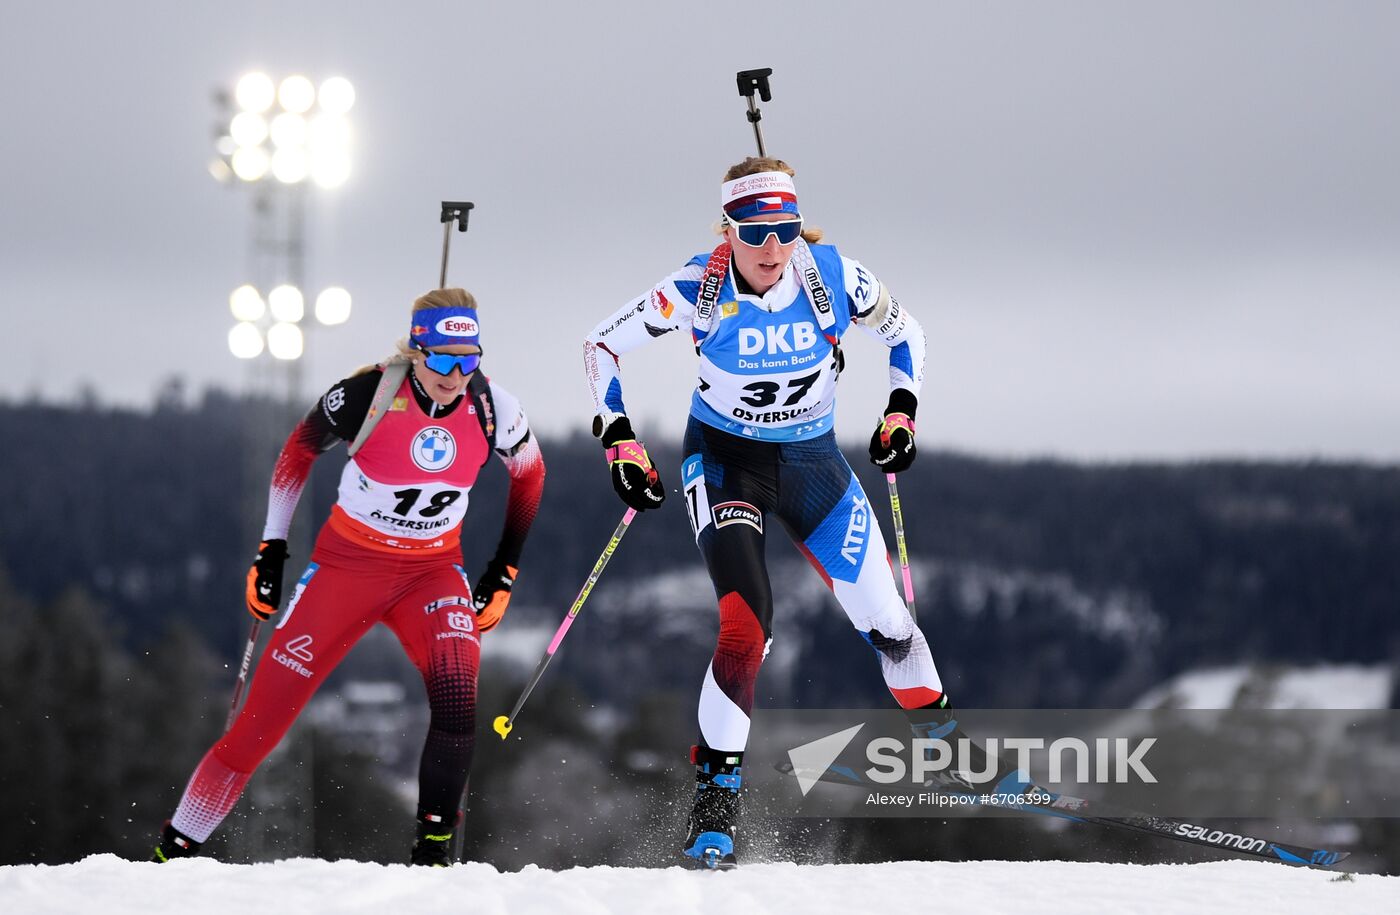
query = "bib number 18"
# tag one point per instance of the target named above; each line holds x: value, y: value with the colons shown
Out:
x: 439, y: 501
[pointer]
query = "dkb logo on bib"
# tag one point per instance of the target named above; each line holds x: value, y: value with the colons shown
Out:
x: 433, y: 449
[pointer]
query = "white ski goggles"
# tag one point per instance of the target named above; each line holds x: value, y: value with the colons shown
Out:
x: 755, y: 234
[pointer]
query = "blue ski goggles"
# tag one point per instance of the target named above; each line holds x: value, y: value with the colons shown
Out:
x: 444, y: 363
x: 754, y: 234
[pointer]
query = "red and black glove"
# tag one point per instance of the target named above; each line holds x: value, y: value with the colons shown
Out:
x: 492, y: 593
x: 633, y: 477
x: 265, y: 579
x: 892, y: 446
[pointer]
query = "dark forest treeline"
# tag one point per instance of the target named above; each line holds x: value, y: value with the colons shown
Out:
x: 156, y: 514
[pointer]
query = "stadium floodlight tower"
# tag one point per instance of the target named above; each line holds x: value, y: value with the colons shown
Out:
x: 277, y: 139
x: 281, y: 143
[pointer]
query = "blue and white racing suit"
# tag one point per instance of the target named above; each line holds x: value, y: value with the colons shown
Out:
x: 760, y: 445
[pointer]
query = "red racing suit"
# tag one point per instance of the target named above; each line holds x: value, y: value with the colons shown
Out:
x: 388, y: 554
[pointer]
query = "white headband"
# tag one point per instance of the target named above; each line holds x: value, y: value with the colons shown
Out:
x: 765, y: 192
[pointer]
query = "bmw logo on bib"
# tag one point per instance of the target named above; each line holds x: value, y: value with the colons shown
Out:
x: 433, y: 449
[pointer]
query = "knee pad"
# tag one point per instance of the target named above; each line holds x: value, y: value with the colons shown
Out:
x: 892, y: 623
x: 742, y: 639
x: 739, y: 652
x: 894, y: 649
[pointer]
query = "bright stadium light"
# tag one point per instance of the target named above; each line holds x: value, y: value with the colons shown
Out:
x: 246, y: 303
x: 284, y: 341
x: 333, y: 305
x: 250, y: 162
x: 328, y: 141
x: 248, y: 128
x: 337, y: 96
x: 296, y: 94
x: 274, y: 135
x: 255, y: 92
x: 245, y: 340
x: 330, y: 171
x: 288, y: 130
x: 286, y: 304
x: 328, y: 133
x: 290, y: 165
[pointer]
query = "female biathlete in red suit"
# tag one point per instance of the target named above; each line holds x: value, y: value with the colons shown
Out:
x: 389, y: 553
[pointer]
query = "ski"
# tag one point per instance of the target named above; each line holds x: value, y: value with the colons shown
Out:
x: 1082, y: 810
x: 1180, y: 830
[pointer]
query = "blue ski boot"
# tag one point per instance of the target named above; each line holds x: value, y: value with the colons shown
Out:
x: 710, y: 844
x: 983, y: 774
x: 937, y: 722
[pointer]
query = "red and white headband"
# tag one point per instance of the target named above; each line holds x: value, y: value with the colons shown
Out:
x: 752, y: 195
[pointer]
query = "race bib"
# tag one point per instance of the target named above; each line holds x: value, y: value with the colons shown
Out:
x: 768, y: 370
x: 421, y: 511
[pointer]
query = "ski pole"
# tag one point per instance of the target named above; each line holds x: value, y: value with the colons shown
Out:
x: 749, y: 80
x: 243, y: 673
x: 457, y: 211
x: 505, y: 723
x: 452, y: 211
x: 899, y: 539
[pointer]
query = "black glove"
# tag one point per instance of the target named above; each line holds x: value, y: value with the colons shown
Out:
x: 633, y: 477
x: 265, y: 579
x: 492, y: 593
x: 892, y: 446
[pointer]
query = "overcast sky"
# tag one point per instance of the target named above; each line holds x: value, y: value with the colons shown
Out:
x: 1164, y: 229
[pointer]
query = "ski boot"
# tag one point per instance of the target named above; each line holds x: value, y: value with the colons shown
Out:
x: 937, y: 722
x: 174, y: 844
x: 710, y: 844
x: 984, y: 773
x: 433, y: 845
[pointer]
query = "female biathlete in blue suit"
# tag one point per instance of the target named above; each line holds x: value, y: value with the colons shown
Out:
x: 766, y: 312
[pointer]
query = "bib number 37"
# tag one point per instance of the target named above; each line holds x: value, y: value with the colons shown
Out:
x: 765, y: 393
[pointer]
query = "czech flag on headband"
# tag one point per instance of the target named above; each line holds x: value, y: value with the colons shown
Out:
x: 765, y: 192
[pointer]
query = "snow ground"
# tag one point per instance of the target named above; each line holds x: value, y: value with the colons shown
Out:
x: 108, y: 884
